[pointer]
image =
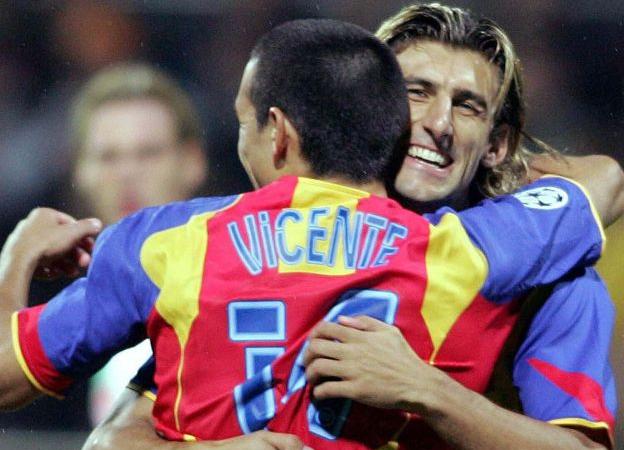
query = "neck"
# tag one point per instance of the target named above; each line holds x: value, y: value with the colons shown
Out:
x: 373, y: 187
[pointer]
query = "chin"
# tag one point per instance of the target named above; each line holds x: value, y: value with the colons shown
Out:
x: 422, y: 194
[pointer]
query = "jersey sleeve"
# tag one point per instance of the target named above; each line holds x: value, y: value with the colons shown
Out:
x: 534, y: 236
x: 562, y: 369
x: 143, y: 382
x: 75, y: 333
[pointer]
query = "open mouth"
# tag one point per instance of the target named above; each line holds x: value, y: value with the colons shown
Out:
x: 429, y: 156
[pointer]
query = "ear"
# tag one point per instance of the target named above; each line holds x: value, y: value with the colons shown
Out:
x: 195, y: 166
x: 279, y: 136
x: 499, y: 144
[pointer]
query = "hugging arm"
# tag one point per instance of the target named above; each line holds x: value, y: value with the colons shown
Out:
x: 600, y: 175
x: 51, y: 243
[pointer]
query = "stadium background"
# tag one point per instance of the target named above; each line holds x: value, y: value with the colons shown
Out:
x: 573, y: 54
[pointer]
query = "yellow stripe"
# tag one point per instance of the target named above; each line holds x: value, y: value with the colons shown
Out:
x: 149, y: 394
x: 176, y: 407
x: 451, y: 287
x: 591, y: 206
x: 189, y: 438
x: 141, y: 391
x: 573, y: 421
x: 22, y: 362
x: 174, y: 260
x: 314, y: 193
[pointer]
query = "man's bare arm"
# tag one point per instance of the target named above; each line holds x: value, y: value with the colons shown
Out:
x: 130, y: 427
x: 392, y: 376
x: 53, y: 243
x: 601, y: 176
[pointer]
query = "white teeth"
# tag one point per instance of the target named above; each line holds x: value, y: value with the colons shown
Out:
x: 427, y: 155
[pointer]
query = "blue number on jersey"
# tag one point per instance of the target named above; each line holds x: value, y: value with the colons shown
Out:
x: 265, y: 321
x: 327, y: 417
x: 253, y: 321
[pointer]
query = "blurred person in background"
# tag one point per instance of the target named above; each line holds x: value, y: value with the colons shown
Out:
x: 138, y: 142
x: 484, y: 139
x: 81, y: 37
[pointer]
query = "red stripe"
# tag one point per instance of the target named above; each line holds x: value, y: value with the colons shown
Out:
x: 586, y: 390
x: 34, y: 355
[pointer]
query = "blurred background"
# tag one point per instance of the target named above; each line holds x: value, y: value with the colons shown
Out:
x: 573, y: 54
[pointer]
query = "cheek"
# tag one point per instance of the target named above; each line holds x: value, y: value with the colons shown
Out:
x: 472, y: 141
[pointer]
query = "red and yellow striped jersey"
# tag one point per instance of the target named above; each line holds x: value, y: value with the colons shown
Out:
x: 227, y: 289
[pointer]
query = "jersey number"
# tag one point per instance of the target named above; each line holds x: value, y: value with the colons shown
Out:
x: 256, y: 321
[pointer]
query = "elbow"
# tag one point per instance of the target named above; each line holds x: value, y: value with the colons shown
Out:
x: 608, y: 174
x: 614, y: 174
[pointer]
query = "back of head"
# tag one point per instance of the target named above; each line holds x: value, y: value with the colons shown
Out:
x: 341, y: 88
x: 459, y: 28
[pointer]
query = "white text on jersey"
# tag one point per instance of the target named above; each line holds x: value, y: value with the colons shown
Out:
x: 355, y: 240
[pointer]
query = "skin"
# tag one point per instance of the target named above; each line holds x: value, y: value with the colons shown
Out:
x: 440, y: 79
x: 132, y: 158
x: 434, y: 113
x: 452, y: 96
x: 46, y: 239
x: 280, y: 143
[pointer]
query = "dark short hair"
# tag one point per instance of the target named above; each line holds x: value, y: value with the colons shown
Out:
x: 342, y: 89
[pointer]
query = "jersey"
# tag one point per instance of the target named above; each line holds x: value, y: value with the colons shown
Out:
x: 224, y: 286
x: 562, y: 369
x: 562, y: 339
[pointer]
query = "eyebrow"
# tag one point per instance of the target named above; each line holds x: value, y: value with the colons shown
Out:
x: 461, y: 96
x: 466, y: 94
x: 417, y: 80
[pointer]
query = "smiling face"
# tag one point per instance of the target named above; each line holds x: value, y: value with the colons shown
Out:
x: 452, y: 94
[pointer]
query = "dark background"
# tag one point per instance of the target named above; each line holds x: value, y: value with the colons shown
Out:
x: 573, y: 54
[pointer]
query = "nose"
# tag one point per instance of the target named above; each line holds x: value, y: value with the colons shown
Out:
x: 438, y: 122
x: 129, y: 168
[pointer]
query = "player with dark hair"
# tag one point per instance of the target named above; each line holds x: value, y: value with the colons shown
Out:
x: 497, y: 163
x: 222, y: 277
x: 468, y: 114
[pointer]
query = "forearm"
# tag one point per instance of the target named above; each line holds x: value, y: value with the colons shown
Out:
x: 16, y: 269
x: 601, y: 176
x: 468, y: 421
x: 130, y: 427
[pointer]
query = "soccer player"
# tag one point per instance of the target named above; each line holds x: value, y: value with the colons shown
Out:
x: 578, y: 307
x: 306, y: 241
x: 137, y: 141
x: 449, y: 58
x: 580, y: 303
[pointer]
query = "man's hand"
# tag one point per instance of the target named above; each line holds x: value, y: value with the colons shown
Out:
x: 368, y: 361
x: 260, y: 440
x: 51, y: 243
x: 55, y: 244
x: 130, y: 427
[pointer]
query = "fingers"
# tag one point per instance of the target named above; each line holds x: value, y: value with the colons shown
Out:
x: 322, y: 348
x: 321, y: 368
x: 362, y: 323
x: 334, y: 389
x: 281, y: 441
x: 333, y: 331
x: 68, y: 236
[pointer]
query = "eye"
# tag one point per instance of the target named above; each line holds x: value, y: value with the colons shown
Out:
x: 469, y: 108
x: 417, y: 92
